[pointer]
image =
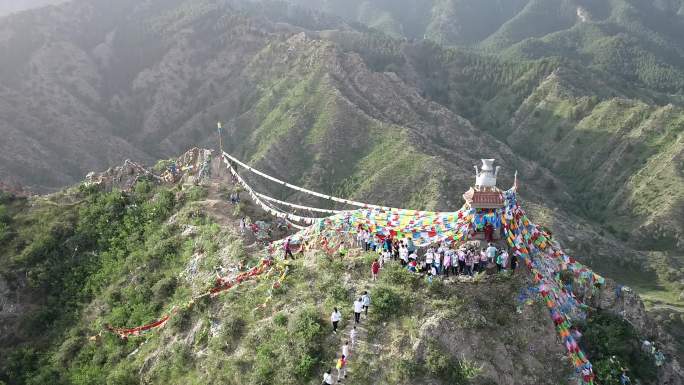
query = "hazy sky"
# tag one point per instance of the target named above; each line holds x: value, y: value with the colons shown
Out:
x: 7, y: 6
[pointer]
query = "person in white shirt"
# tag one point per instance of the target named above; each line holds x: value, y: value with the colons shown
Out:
x: 345, y: 349
x: 327, y: 378
x: 358, y: 308
x: 360, y: 239
x: 413, y: 256
x: 366, y: 240
x: 491, y: 253
x: 403, y: 255
x: 352, y: 336
x: 365, y: 298
x: 386, y: 257
x: 429, y: 259
x: 335, y: 318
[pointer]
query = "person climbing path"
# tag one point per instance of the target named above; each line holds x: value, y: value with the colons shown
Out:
x: 288, y: 249
x: 345, y: 349
x: 375, y: 269
x: 366, y: 300
x: 358, y: 308
x: 327, y: 378
x: 341, y: 368
x: 353, y: 335
x: 335, y: 318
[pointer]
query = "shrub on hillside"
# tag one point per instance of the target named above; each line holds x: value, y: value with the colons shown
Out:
x: 440, y: 364
x: 609, y: 336
x: 386, y: 302
x: 396, y: 275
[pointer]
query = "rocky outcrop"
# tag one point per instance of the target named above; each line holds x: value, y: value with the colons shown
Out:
x: 625, y: 302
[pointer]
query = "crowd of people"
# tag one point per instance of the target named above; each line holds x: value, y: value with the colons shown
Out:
x: 437, y: 260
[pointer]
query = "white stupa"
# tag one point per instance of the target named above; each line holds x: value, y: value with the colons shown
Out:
x: 485, y: 194
x: 485, y: 178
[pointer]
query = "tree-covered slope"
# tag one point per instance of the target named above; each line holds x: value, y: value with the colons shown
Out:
x: 639, y: 41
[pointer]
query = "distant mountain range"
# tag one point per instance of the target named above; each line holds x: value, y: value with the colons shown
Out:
x: 583, y: 98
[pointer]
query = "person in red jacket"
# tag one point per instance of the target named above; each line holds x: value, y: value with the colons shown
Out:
x: 288, y: 249
x: 489, y: 232
x: 375, y: 269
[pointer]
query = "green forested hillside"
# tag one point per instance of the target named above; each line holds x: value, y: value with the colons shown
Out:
x: 637, y: 41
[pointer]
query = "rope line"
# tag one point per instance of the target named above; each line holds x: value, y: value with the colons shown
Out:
x: 311, y: 192
x: 296, y: 206
x: 271, y: 210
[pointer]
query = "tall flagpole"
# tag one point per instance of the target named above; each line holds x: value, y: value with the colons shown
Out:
x: 220, y: 137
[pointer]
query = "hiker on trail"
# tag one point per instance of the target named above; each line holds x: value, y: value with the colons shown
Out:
x: 395, y: 249
x: 335, y: 318
x: 437, y: 264
x: 461, y: 261
x: 624, y: 378
x: 470, y: 262
x: 341, y: 368
x: 360, y: 239
x: 403, y: 255
x: 243, y: 225
x: 288, y: 249
x: 358, y: 308
x: 514, y: 261
x: 375, y: 269
x: 386, y: 257
x: 491, y: 253
x: 366, y: 240
x: 375, y: 243
x: 413, y: 256
x: 387, y: 245
x: 352, y: 336
x: 448, y: 254
x: 484, y: 260
x: 345, y: 349
x: 327, y: 378
x: 501, y: 260
x: 410, y: 246
x: 429, y: 258
x: 365, y: 298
